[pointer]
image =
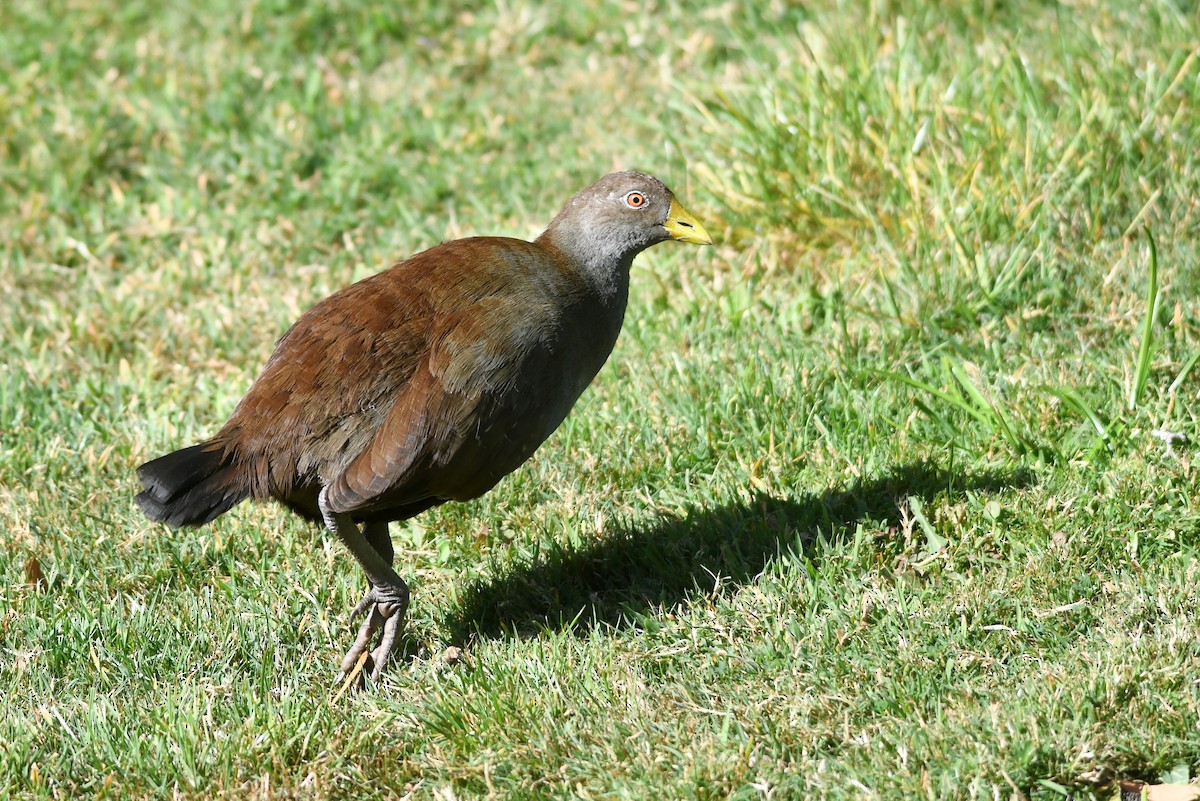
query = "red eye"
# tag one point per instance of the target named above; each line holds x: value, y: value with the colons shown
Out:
x: 635, y: 200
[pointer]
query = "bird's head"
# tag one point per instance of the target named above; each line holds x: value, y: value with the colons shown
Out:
x: 619, y: 216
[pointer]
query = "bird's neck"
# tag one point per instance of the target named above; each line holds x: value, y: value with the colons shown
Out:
x: 602, y: 262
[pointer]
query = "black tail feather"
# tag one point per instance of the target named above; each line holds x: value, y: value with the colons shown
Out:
x: 189, y: 487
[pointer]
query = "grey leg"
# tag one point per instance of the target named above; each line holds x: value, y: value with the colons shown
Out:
x: 388, y: 598
x: 381, y: 540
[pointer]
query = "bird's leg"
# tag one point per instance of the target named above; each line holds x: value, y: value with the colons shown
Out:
x: 388, y: 598
x: 381, y: 540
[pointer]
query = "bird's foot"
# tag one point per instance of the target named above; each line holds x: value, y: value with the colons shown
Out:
x: 385, y: 608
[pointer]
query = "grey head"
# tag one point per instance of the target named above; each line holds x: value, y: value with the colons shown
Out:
x: 604, y: 226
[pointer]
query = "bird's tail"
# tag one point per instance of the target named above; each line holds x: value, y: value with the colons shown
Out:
x: 190, y: 487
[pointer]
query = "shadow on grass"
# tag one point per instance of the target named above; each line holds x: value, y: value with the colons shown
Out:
x: 631, y: 570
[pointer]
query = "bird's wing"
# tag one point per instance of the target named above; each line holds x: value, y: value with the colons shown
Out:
x: 467, y: 416
x: 311, y: 400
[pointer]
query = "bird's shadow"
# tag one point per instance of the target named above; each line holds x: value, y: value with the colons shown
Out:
x: 631, y: 570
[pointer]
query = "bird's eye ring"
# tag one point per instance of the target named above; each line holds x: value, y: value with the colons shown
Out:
x: 635, y: 200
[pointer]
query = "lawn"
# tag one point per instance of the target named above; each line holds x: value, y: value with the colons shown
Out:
x: 888, y: 495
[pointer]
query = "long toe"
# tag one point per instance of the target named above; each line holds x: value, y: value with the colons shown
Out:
x: 362, y: 643
x: 391, y: 631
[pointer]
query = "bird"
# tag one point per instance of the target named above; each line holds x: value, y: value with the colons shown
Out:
x: 422, y: 384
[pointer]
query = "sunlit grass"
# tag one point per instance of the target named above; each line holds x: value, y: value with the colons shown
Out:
x: 887, y: 495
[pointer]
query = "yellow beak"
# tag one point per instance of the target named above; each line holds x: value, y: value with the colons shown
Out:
x: 683, y: 226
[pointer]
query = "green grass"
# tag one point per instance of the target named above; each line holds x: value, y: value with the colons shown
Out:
x: 877, y: 498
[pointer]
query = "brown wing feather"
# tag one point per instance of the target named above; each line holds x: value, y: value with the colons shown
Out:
x: 310, y: 404
x: 468, y: 416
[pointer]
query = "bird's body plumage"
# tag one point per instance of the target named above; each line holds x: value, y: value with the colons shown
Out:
x: 473, y: 351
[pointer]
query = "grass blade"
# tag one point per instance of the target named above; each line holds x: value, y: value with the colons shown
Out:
x: 1183, y: 374
x: 1076, y: 402
x: 1146, y: 349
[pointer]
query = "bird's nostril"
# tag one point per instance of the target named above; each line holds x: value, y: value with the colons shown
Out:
x: 686, y: 225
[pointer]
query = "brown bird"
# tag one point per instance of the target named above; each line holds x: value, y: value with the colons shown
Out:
x: 425, y: 383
